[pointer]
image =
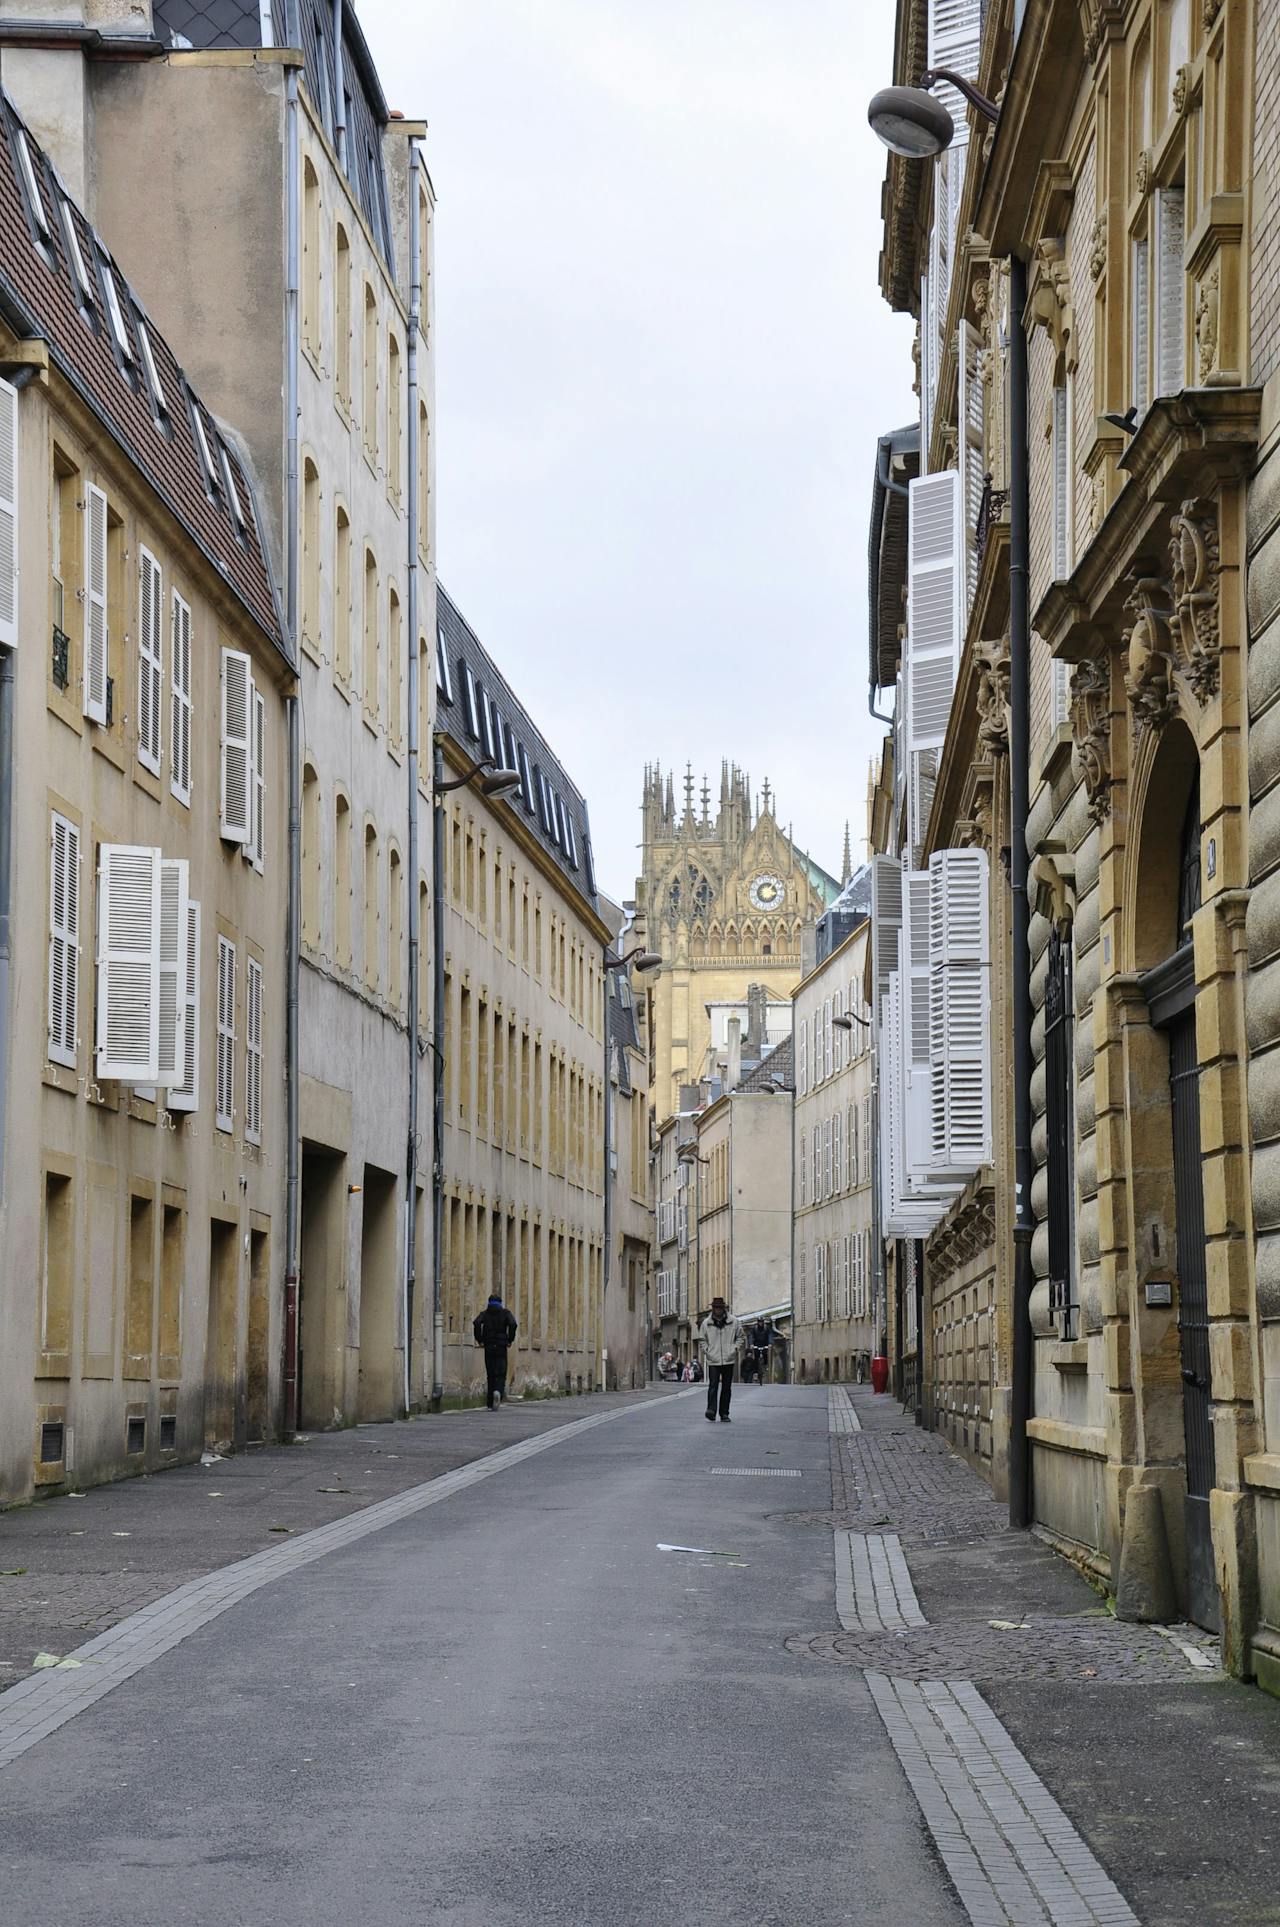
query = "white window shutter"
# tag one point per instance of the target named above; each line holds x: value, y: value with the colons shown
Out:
x: 917, y: 1063
x: 886, y: 923
x: 96, y: 643
x: 955, y: 41
x: 150, y: 665
x: 1139, y: 329
x: 934, y: 594
x: 64, y: 939
x: 237, y: 721
x: 258, y: 748
x: 959, y: 990
x: 180, y: 699
x: 253, y: 1052
x: 225, y: 1079
x: 972, y: 468
x: 128, y: 1043
x: 802, y: 1058
x: 173, y: 970
x: 184, y: 1095
x: 1171, y: 291
x: 837, y: 1151
x: 8, y: 516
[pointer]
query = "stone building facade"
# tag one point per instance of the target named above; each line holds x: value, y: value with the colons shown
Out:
x: 628, y: 1300
x: 523, y: 1035
x: 306, y: 292
x: 722, y: 899
x: 144, y: 805
x: 740, y: 1181
x: 1127, y: 198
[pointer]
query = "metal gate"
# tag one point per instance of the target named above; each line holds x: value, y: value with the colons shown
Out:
x: 1193, y: 1319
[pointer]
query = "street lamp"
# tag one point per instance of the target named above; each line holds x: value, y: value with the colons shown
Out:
x: 492, y: 782
x: 847, y: 1022
x: 637, y: 959
x: 911, y: 122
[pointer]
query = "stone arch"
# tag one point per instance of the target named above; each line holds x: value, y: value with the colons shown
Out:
x: 715, y: 941
x: 1165, y: 770
x: 731, y: 946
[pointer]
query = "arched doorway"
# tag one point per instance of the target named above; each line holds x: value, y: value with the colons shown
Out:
x: 1168, y: 898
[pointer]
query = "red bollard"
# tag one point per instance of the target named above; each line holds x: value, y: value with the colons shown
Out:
x: 879, y: 1374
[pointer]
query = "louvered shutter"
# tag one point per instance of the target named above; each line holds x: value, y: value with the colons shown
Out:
x: 258, y: 747
x: 150, y: 665
x: 237, y: 722
x: 886, y: 923
x: 95, y: 605
x: 8, y: 516
x: 914, y: 985
x: 959, y: 991
x: 1171, y: 291
x: 891, y: 1094
x: 971, y: 460
x: 173, y: 970
x: 1139, y: 329
x: 64, y: 939
x: 128, y: 1043
x: 837, y: 1151
x: 253, y: 1052
x: 933, y: 635
x: 225, y: 1079
x: 180, y: 699
x: 802, y: 1058
x: 954, y: 41
x: 184, y: 1095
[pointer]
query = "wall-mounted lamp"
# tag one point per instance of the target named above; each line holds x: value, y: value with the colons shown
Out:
x: 911, y: 122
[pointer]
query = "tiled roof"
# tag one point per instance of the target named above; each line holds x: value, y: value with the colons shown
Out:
x: 551, y: 805
x: 40, y: 292
x: 780, y: 1063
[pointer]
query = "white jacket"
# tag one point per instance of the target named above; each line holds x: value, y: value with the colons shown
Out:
x: 720, y: 1343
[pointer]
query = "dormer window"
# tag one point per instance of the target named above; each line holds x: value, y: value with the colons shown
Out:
x: 202, y: 443
x: 230, y: 490
x: 75, y: 255
x: 444, y: 675
x: 35, y: 199
x: 158, y: 402
x: 469, y: 692
x: 526, y: 778
x: 115, y: 313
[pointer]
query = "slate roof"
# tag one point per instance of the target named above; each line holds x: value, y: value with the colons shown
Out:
x: 551, y: 805
x: 308, y: 24
x: 623, y: 1035
x: 780, y: 1062
x: 41, y: 297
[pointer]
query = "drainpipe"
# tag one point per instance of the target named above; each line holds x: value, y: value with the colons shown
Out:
x: 414, y: 698
x: 6, y: 882
x: 1023, y: 1360
x: 608, y: 1147
x: 437, y: 1079
x: 293, y: 1151
x: 339, y: 88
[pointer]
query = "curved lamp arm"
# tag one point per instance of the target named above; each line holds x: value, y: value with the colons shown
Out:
x: 988, y: 108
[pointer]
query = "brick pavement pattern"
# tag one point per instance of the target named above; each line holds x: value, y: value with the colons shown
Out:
x: 874, y: 1592
x: 841, y: 1417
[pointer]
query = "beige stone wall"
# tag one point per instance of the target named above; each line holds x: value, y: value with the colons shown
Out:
x: 143, y: 1247
x: 524, y: 1146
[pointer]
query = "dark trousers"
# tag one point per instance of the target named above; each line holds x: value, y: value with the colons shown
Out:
x: 719, y: 1376
x: 495, y: 1371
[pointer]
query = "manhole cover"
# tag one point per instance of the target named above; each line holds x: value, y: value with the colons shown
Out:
x: 754, y: 1472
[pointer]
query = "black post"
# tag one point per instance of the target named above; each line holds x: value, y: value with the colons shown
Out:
x: 1023, y: 1360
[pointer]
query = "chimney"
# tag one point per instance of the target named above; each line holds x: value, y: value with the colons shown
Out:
x: 733, y: 1076
x: 757, y: 1021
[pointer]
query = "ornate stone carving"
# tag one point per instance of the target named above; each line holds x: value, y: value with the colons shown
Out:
x: 992, y: 662
x: 1095, y: 17
x: 1091, y: 728
x: 1051, y: 306
x: 1193, y: 547
x: 1181, y: 82
x: 1210, y: 11
x: 1142, y: 174
x: 1207, y: 323
x: 1149, y: 683
x: 1098, y: 247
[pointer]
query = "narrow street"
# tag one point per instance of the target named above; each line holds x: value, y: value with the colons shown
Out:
x: 519, y: 1699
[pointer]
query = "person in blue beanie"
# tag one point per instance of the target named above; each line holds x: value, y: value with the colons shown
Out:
x: 496, y: 1330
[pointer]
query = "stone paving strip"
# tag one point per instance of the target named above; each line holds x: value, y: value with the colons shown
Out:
x: 46, y: 1700
x: 755, y: 1472
x: 874, y: 1593
x: 1013, y: 1855
x: 841, y: 1416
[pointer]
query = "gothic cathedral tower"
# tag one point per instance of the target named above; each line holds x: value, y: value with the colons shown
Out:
x: 722, y: 900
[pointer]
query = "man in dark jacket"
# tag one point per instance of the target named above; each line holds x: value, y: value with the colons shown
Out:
x: 495, y: 1329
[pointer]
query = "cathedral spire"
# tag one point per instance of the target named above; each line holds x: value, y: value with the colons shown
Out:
x: 766, y: 793
x: 846, y: 867
x: 706, y: 802
x: 688, y: 793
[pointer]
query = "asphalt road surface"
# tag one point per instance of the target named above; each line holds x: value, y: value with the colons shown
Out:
x: 512, y: 1707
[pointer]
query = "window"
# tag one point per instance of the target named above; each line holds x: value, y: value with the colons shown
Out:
x: 469, y: 696
x: 342, y: 319
x: 393, y: 416
x: 96, y: 658
x: 204, y: 448
x: 171, y: 991
x: 311, y: 556
x: 342, y: 882
x: 310, y: 258
x: 1170, y: 290
x: 180, y: 698
x: 75, y: 255
x: 128, y: 991
x: 370, y: 358
x: 159, y: 406
x: 394, y: 693
x: 64, y: 939
x: 804, y: 1167
x: 371, y: 906
x: 424, y: 951
x: 140, y: 1292
x: 1060, y: 1126
x: 253, y: 1051
x: 184, y: 1092
x: 444, y: 675
x: 231, y: 490
x: 256, y: 849
x: 58, y: 1268
x: 395, y: 931
x: 115, y: 314
x: 237, y: 729
x: 342, y: 601
x: 370, y: 662
x: 225, y: 1080
x: 1139, y: 328
x: 424, y: 482
x: 150, y: 665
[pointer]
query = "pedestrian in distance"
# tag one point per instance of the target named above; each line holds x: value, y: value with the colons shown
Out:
x: 495, y: 1329
x: 720, y: 1336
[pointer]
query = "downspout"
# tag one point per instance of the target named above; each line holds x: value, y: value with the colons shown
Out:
x: 339, y: 88
x: 1020, y: 1392
x: 437, y: 1077
x: 18, y: 379
x: 414, y: 698
x: 608, y: 1150
x: 293, y: 1152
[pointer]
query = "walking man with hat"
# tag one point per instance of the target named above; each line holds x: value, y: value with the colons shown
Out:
x: 720, y: 1336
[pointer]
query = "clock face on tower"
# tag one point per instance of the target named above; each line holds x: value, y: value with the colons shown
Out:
x: 767, y: 892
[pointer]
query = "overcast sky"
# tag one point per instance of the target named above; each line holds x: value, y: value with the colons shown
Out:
x: 662, y: 362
